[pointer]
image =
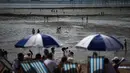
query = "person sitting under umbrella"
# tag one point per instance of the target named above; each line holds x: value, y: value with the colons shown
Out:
x: 50, y: 63
x: 46, y: 52
x: 60, y: 65
x: 38, y: 56
x: 27, y: 56
x: 108, y: 68
x: 16, y: 63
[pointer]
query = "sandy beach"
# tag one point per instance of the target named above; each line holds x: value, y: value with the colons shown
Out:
x: 14, y: 28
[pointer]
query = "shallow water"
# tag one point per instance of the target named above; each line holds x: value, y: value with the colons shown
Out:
x: 74, y: 29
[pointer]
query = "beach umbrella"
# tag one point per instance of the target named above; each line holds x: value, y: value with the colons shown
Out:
x: 38, y: 40
x: 100, y: 42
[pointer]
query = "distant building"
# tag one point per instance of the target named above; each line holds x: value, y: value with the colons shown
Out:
x: 70, y: 3
x: 96, y: 2
x: 65, y: 7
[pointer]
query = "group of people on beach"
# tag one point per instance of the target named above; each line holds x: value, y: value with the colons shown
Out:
x: 58, y: 30
x: 68, y: 57
x: 48, y: 59
x: 57, y: 67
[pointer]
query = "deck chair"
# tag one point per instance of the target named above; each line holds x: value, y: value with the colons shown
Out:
x: 5, y: 65
x: 96, y: 64
x: 70, y: 68
x: 34, y: 66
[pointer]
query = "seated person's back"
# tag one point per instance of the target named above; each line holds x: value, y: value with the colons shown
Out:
x: 50, y: 63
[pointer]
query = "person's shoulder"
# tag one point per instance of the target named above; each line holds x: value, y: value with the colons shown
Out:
x: 46, y: 60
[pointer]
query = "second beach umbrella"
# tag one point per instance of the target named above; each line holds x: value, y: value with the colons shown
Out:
x: 100, y: 42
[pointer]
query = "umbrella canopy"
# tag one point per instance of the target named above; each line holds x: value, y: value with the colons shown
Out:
x: 37, y: 40
x: 100, y: 42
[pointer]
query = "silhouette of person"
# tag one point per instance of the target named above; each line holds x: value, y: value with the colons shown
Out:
x: 33, y: 31
x: 38, y: 56
x: 53, y: 50
x: 46, y: 52
x: 58, y: 29
x: 125, y: 46
x: 38, y: 31
x: 5, y: 54
x: 31, y: 53
x: 1, y: 52
x: 95, y: 54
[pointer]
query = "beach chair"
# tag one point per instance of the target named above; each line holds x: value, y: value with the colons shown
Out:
x: 34, y: 66
x: 5, y: 65
x: 96, y: 64
x: 70, y: 68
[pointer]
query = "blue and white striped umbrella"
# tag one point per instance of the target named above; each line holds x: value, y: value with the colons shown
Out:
x: 100, y: 42
x: 37, y: 40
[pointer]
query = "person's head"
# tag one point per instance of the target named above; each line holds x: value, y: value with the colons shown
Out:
x: 106, y: 60
x: 38, y: 56
x: 43, y: 57
x: 20, y: 56
x: 46, y: 52
x: 50, y: 56
x: 64, y: 59
x: 71, y: 53
x: 95, y: 54
x: 63, y: 49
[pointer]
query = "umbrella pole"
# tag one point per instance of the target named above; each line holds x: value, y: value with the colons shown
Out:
x: 99, y: 53
x: 39, y: 49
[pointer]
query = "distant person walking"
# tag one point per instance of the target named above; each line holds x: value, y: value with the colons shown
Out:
x: 38, y: 31
x: 53, y: 50
x: 33, y: 31
x: 82, y: 19
x: 1, y: 52
x: 125, y: 46
x: 87, y: 19
x: 58, y: 30
x: 5, y: 54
